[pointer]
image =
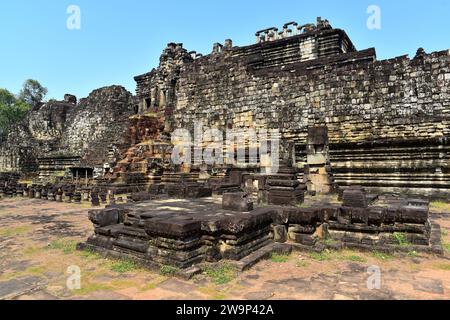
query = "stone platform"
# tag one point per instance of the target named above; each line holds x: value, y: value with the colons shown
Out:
x: 183, y: 233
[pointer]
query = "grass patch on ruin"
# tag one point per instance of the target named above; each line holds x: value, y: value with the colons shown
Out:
x: 66, y: 246
x: 14, y: 231
x: 354, y: 258
x: 401, y: 239
x: 382, y: 255
x: 221, y: 274
x: 446, y: 247
x: 444, y: 232
x: 168, y: 271
x: 279, y: 258
x: 90, y: 254
x: 123, y: 266
x: 325, y: 255
x: 440, y: 206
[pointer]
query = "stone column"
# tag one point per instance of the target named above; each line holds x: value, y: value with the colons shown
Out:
x: 318, y: 176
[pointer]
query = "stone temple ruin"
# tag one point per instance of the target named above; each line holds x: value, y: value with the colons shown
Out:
x: 373, y: 132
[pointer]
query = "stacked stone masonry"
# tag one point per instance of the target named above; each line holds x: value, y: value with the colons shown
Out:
x: 387, y: 121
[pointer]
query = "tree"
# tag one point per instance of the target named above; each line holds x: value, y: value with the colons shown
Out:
x: 32, y: 92
x: 12, y: 111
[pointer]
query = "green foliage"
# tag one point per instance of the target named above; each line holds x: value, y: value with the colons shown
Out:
x: 66, y: 246
x: 123, y: 266
x: 279, y: 258
x: 355, y: 258
x: 446, y: 247
x: 168, y: 271
x: 221, y: 274
x: 401, y: 239
x: 12, y: 111
x: 381, y: 255
x: 32, y: 92
x: 321, y: 256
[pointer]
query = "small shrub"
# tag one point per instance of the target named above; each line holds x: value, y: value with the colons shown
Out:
x: 401, y: 239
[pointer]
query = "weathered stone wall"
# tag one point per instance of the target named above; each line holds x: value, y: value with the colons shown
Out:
x: 387, y: 120
x: 360, y: 99
x: 63, y: 134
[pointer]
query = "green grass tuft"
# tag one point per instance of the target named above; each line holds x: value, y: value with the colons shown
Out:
x: 441, y: 206
x: 221, y: 274
x: 66, y: 246
x: 446, y: 247
x: 355, y: 258
x: 321, y: 256
x: 123, y: 266
x: 90, y: 254
x: 381, y: 255
x: 401, y: 239
x: 279, y: 258
x: 168, y: 270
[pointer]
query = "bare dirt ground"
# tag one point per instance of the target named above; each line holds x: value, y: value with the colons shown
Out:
x: 37, y: 246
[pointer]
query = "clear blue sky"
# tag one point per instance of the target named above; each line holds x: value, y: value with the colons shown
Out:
x: 123, y: 38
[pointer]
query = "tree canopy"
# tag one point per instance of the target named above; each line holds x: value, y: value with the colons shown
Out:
x: 32, y: 92
x: 13, y: 109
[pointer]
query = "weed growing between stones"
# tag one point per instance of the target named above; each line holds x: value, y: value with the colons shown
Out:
x: 401, y: 239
